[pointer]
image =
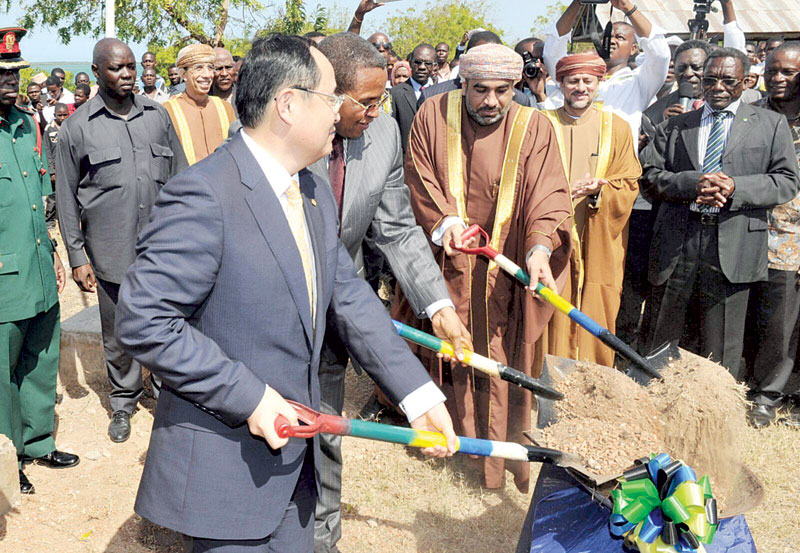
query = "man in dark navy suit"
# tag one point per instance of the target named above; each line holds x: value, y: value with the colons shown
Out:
x: 237, y: 277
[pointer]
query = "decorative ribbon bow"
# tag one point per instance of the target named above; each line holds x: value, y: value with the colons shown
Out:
x: 661, y: 507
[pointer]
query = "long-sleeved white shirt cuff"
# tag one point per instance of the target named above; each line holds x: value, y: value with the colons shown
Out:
x: 431, y: 310
x: 733, y: 36
x: 436, y: 235
x: 555, y: 48
x: 421, y: 400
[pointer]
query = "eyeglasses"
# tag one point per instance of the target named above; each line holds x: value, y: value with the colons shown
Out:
x: 384, y: 45
x: 422, y: 62
x: 374, y: 105
x: 710, y: 82
x: 334, y: 101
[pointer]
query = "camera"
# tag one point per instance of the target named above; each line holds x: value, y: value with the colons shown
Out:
x: 530, y: 67
x: 698, y: 26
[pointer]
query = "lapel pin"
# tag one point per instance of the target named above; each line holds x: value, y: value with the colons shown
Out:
x: 313, y: 202
x: 744, y: 119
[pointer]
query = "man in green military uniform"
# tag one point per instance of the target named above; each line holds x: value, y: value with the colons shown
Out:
x: 31, y: 276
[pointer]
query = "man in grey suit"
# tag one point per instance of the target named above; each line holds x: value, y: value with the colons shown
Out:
x: 113, y: 157
x: 237, y: 276
x: 365, y: 171
x: 714, y: 173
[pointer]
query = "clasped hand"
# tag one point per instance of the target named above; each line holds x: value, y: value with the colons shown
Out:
x: 587, y: 186
x: 714, y: 189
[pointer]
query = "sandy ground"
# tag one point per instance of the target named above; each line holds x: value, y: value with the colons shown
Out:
x: 393, y: 500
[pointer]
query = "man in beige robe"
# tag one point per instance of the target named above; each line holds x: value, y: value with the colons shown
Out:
x: 601, y: 164
x: 474, y: 156
x: 201, y: 120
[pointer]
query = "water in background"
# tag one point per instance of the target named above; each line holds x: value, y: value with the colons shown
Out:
x: 73, y: 66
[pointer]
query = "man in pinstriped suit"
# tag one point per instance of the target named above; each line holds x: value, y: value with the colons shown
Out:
x: 365, y: 170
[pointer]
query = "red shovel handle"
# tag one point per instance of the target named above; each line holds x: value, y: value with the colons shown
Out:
x: 304, y: 414
x: 471, y: 232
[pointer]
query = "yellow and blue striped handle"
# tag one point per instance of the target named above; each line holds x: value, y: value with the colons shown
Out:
x: 552, y: 297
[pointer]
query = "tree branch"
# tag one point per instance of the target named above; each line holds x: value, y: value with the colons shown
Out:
x: 186, y: 24
x: 222, y: 22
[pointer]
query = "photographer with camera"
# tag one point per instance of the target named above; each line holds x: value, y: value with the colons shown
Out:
x: 624, y: 91
x: 536, y: 83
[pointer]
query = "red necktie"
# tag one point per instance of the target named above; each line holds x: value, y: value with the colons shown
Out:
x: 336, y: 171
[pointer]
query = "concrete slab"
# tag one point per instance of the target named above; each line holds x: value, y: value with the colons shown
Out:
x: 82, y: 361
x: 9, y: 475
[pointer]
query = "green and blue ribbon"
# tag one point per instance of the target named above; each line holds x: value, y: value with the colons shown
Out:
x: 661, y: 507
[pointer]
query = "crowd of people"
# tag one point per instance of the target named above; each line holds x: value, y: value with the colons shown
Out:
x: 228, y: 216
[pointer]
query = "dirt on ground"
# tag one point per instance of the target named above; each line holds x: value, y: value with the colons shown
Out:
x: 393, y: 499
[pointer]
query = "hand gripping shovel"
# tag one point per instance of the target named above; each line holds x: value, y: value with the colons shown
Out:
x: 476, y: 361
x: 315, y: 422
x: 558, y: 302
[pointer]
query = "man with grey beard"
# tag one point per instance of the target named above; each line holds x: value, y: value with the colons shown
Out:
x: 475, y: 155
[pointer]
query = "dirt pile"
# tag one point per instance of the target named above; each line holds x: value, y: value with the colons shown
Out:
x: 696, y: 413
x: 606, y: 419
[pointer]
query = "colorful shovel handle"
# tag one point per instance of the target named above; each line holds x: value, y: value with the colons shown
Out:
x: 552, y: 297
x: 315, y: 422
x: 477, y: 361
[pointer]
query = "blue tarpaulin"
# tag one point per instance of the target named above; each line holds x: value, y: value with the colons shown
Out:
x: 563, y: 518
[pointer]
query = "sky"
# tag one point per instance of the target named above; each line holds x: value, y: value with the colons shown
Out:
x: 513, y: 16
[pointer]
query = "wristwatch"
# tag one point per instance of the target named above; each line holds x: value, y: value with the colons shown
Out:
x: 53, y: 243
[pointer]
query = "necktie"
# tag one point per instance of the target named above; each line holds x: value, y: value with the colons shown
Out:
x: 714, y: 148
x: 298, y: 226
x: 336, y: 169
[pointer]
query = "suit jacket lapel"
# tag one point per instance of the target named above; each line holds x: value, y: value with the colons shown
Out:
x: 691, y: 138
x: 741, y: 126
x: 411, y: 96
x: 269, y: 215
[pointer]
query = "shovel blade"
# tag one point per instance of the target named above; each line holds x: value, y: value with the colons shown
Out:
x: 659, y: 358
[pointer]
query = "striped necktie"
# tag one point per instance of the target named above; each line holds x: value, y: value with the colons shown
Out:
x: 298, y: 225
x: 715, y: 146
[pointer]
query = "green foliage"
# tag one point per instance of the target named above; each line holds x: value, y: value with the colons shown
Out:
x: 437, y: 22
x: 550, y: 16
x: 294, y: 19
x: 27, y: 74
x: 154, y: 21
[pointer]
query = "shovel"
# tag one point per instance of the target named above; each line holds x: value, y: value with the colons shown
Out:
x: 476, y: 361
x: 315, y: 422
x: 648, y: 367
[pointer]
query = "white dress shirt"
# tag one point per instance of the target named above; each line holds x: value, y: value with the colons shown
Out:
x: 627, y: 92
x: 706, y: 122
x: 421, y: 400
x: 418, y: 87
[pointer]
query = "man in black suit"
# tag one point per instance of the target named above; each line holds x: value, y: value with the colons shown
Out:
x: 714, y: 173
x: 405, y: 95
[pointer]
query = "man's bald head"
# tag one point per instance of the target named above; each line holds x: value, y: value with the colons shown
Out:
x: 106, y: 47
x: 379, y: 38
x: 114, y: 67
x: 223, y: 55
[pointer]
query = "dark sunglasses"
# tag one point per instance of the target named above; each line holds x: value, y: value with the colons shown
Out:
x: 710, y: 82
x: 384, y: 45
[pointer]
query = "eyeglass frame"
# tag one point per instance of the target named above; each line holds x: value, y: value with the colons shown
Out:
x: 720, y: 80
x: 338, y: 99
x: 423, y: 62
x: 375, y: 105
x: 384, y: 45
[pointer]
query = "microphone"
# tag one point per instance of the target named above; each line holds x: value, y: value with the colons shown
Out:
x: 686, y: 93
